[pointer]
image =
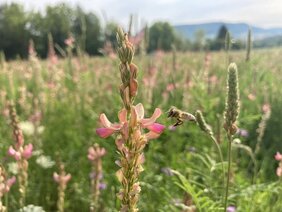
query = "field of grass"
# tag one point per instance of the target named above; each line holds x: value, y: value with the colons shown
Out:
x: 58, y: 105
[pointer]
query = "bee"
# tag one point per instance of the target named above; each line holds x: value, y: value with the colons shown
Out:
x: 180, y: 116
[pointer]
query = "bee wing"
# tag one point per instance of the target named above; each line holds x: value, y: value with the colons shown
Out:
x: 188, y: 117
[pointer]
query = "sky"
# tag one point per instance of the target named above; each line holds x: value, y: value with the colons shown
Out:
x: 262, y: 13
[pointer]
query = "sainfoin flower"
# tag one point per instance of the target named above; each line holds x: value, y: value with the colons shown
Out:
x: 137, y: 118
x: 26, y: 152
x: 278, y: 156
x: 61, y: 179
x: 231, y: 209
x: 95, y: 153
x: 6, y: 185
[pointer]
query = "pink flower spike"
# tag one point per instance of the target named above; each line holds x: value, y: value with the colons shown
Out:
x: 92, y: 155
x: 27, y: 152
x: 147, y: 122
x: 278, y: 156
x: 156, y: 127
x: 104, y: 132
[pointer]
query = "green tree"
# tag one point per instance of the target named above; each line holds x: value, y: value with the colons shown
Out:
x: 13, y: 33
x: 110, y: 32
x: 161, y: 36
x: 36, y: 27
x: 93, y: 34
x: 58, y: 22
x: 220, y: 38
x: 199, y: 40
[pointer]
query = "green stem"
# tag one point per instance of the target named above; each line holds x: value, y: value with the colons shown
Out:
x: 228, y: 171
x: 220, y: 155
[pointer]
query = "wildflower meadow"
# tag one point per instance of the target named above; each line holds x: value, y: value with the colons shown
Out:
x: 130, y: 131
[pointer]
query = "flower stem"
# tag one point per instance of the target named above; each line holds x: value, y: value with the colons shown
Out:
x: 228, y: 171
x: 220, y: 155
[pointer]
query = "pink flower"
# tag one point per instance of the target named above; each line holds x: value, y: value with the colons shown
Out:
x: 137, y: 119
x: 110, y: 128
x: 266, y: 108
x: 7, y: 184
x: 170, y: 87
x: 251, y: 97
x: 61, y: 178
x: 278, y: 156
x: 95, y: 152
x: 12, y: 152
x: 149, y: 123
x: 11, y: 181
x: 27, y: 152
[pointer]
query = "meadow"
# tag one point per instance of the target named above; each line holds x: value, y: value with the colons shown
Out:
x: 58, y: 102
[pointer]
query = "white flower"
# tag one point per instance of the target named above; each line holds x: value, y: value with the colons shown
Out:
x: 13, y: 168
x: 40, y: 129
x: 45, y: 161
x: 31, y: 208
x: 27, y: 127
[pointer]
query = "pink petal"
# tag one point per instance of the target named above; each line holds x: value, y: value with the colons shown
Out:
x: 105, y: 121
x: 27, y: 153
x: 17, y: 156
x: 90, y: 157
x: 140, y: 111
x: 119, y: 143
x: 91, y: 150
x: 278, y: 156
x: 102, y: 152
x: 156, y: 127
x: 104, y: 132
x: 122, y: 115
x: 56, y: 177
x: 66, y: 178
x: 152, y: 135
x: 107, y: 124
x: 150, y: 121
x: 11, y: 181
x: 11, y: 151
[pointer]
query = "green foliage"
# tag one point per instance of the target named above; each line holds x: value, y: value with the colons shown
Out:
x: 161, y: 36
x: 61, y: 21
x: 13, y: 33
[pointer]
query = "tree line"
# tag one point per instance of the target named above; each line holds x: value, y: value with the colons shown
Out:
x: 18, y: 27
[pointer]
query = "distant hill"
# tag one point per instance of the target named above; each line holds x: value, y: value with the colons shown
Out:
x: 237, y: 30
